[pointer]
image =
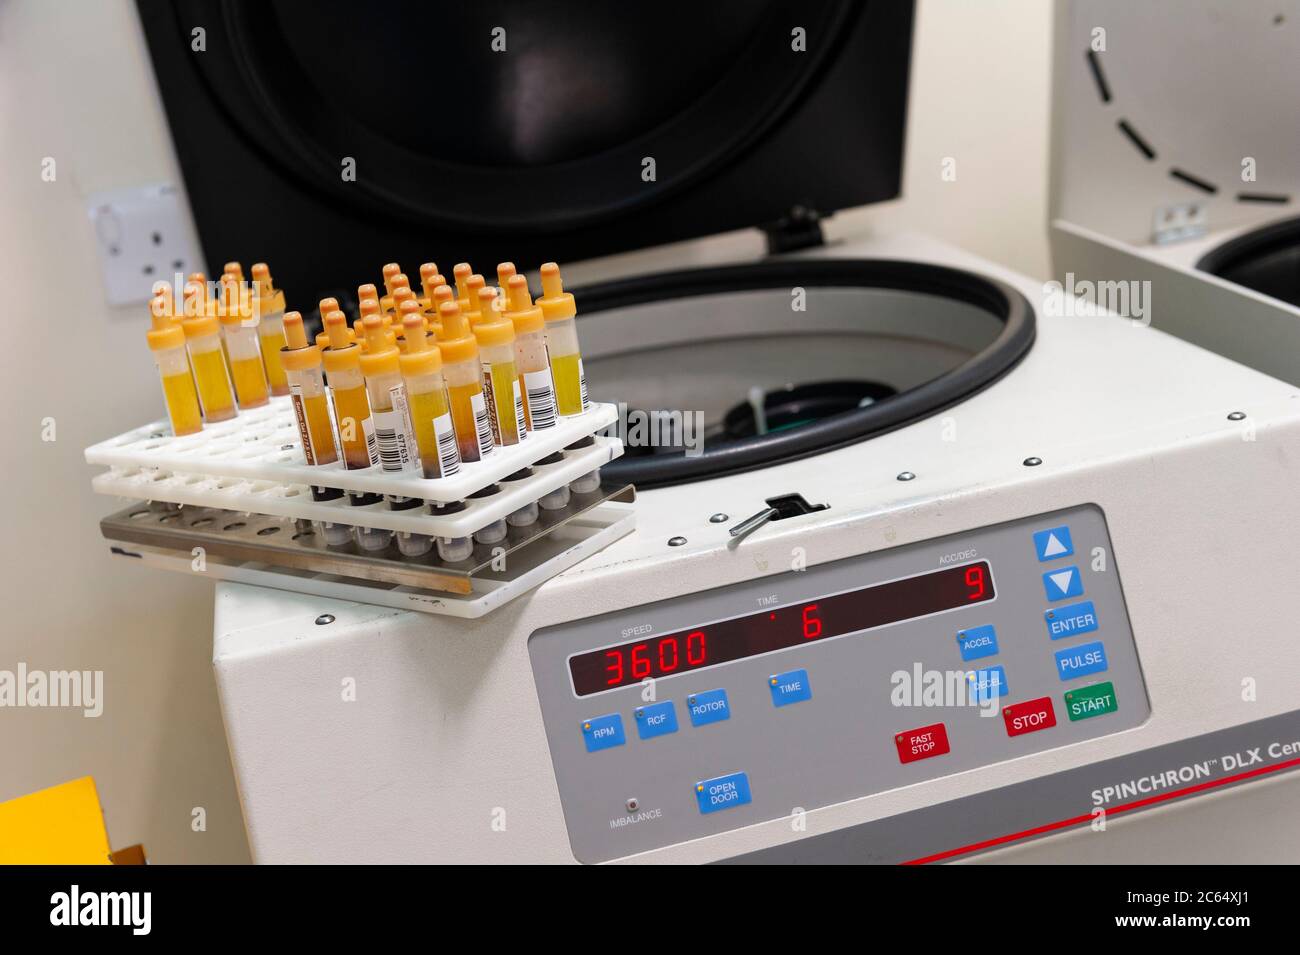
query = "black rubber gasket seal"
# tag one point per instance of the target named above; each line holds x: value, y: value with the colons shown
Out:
x: 976, y: 373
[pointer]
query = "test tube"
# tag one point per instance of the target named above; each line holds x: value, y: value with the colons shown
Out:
x: 562, y: 343
x: 167, y: 342
x: 496, y: 348
x: 204, y: 343
x: 530, y: 355
x: 460, y: 368
x: 426, y: 395
x: 392, y: 431
x: 347, y: 386
x: 242, y: 348
x: 269, y: 304
x: 302, y: 368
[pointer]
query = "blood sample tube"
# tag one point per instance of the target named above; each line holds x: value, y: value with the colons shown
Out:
x: 530, y: 355
x: 167, y: 342
x: 426, y: 395
x: 501, y: 389
x: 562, y: 342
x: 270, y: 327
x: 464, y: 376
x: 302, y: 367
x: 347, y: 386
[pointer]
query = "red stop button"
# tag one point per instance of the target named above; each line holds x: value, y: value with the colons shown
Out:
x: 921, y: 743
x: 1030, y: 716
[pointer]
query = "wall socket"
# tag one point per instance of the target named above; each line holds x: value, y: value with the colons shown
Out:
x: 144, y: 236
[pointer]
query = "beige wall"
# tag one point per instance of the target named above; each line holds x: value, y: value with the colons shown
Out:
x: 76, y: 85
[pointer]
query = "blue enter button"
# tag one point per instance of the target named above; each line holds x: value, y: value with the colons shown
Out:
x: 791, y: 686
x: 722, y: 792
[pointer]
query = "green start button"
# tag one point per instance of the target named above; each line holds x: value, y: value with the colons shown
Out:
x: 1086, y: 701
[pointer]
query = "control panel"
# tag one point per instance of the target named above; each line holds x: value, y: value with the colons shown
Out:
x: 682, y: 718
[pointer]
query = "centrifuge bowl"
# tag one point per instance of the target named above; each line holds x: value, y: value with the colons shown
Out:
x: 1266, y: 260
x: 806, y: 335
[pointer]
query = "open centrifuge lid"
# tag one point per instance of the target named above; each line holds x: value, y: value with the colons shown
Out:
x: 1173, y: 117
x: 748, y: 114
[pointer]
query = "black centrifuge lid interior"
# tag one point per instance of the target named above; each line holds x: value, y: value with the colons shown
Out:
x: 1266, y: 260
x: 749, y: 110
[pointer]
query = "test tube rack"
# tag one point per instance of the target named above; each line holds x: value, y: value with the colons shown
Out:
x: 202, y: 489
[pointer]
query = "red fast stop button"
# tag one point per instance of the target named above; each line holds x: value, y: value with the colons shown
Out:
x: 921, y: 743
x: 1029, y: 716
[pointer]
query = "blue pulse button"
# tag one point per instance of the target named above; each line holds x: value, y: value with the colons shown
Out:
x: 1071, y: 620
x: 976, y: 642
x: 1053, y: 543
x: 1062, y: 583
x: 1081, y: 660
x: 603, y: 732
x: 789, y: 687
x: 722, y: 792
x: 710, y: 707
x: 657, y: 719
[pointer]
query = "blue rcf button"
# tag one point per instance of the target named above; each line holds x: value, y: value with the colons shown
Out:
x: 1081, y: 660
x: 1072, y: 620
x: 657, y: 719
x: 722, y: 792
x: 789, y: 687
x: 1063, y: 583
x: 977, y: 642
x: 708, y: 707
x: 986, y: 684
x: 1053, y: 543
x: 602, y: 732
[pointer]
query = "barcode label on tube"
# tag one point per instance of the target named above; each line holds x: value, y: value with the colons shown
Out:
x: 582, y: 384
x: 541, y: 398
x: 448, y: 453
x: 372, y: 447
x: 521, y: 425
x: 482, y: 425
x: 390, y: 434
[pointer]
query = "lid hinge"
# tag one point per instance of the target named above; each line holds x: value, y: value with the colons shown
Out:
x: 800, y: 228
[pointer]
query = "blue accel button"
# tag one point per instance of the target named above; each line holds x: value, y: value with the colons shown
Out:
x: 987, y: 684
x: 1070, y: 621
x: 1053, y: 543
x: 791, y: 686
x: 710, y: 707
x: 1081, y: 660
x: 657, y: 719
x: 602, y: 732
x: 1063, y: 582
x: 722, y: 792
x: 976, y: 642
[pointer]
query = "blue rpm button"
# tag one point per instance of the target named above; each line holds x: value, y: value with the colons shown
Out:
x: 1063, y: 583
x: 722, y: 792
x: 657, y: 719
x: 1053, y: 543
x: 1081, y: 660
x: 789, y: 687
x: 709, y: 707
x: 987, y: 684
x: 977, y: 642
x: 1070, y: 621
x: 603, y: 732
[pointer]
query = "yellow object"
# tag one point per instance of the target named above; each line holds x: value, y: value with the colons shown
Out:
x: 469, y: 412
x: 496, y: 344
x: 535, y: 378
x: 460, y: 274
x: 473, y: 307
x: 558, y: 309
x: 62, y: 825
x: 302, y: 366
x: 342, y: 361
x: 394, y: 438
x: 209, y: 364
x: 167, y: 342
x: 245, y: 356
x: 270, y: 327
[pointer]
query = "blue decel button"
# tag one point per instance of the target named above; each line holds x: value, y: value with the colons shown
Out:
x: 1062, y: 583
x: 791, y: 686
x: 977, y: 642
x: 657, y: 719
x: 709, y: 707
x: 602, y: 732
x: 1081, y: 660
x: 986, y: 684
x: 1071, y: 620
x: 722, y: 792
x: 1053, y: 543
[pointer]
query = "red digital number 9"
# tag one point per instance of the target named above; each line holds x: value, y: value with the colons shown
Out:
x: 975, y: 581
x: 812, y: 624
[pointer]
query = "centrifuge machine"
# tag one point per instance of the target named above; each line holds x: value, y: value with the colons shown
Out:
x: 929, y: 563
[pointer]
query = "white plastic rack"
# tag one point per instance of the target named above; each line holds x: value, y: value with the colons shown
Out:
x: 254, y: 464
